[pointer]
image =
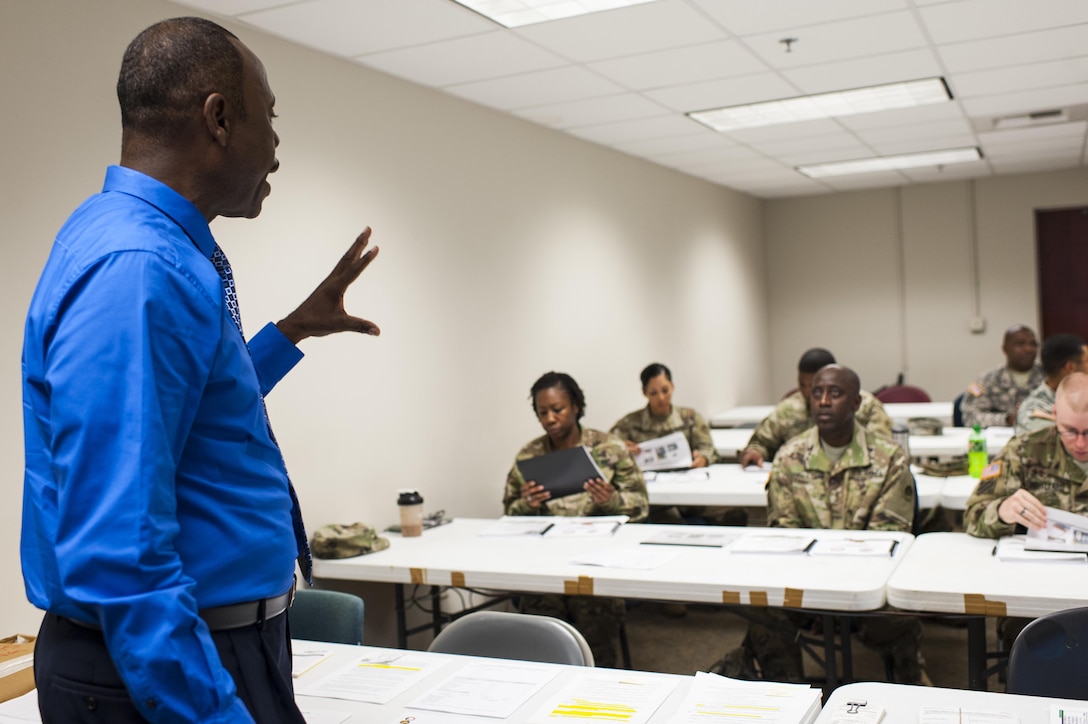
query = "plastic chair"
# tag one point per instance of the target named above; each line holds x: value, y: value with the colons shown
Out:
x: 902, y: 393
x: 1050, y: 657
x: 329, y: 616
x: 957, y: 412
x: 523, y: 636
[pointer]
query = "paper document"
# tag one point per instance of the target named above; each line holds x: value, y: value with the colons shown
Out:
x: 597, y: 526
x: 377, y: 678
x: 1064, y: 531
x: 615, y: 696
x: 853, y: 547
x: 716, y: 698
x: 304, y: 658
x: 772, y: 544
x: 665, y: 453
x: 21, y: 709
x: 487, y: 689
x: 638, y: 559
x: 323, y: 716
x: 682, y: 537
x: 1012, y: 549
x: 956, y: 715
x: 694, y: 475
x: 563, y: 472
x: 519, y: 525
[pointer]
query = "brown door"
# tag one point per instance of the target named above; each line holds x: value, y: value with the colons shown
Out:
x: 1061, y: 248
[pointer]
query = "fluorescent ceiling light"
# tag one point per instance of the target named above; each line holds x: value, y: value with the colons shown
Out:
x: 827, y: 105
x: 515, y: 13
x: 892, y: 163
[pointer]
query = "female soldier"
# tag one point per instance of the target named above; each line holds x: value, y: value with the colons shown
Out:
x: 559, y: 405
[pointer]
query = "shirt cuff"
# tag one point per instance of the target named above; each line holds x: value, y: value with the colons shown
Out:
x: 273, y: 356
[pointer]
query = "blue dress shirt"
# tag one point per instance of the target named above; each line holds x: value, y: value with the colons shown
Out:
x: 152, y: 487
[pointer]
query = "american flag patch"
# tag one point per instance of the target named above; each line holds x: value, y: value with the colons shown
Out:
x: 975, y: 389
x: 991, y: 471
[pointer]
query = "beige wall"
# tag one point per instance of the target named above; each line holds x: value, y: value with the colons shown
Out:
x: 507, y: 250
x: 884, y: 278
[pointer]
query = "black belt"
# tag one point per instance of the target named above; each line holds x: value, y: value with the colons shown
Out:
x: 235, y: 615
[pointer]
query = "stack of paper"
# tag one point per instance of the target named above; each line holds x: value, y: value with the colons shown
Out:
x: 720, y: 699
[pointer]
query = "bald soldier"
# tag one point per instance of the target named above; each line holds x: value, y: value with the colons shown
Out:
x: 840, y: 476
x: 793, y: 415
x: 994, y: 399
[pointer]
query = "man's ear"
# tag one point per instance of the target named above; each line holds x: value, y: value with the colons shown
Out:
x: 215, y: 118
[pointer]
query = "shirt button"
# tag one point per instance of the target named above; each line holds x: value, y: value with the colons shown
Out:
x: 91, y: 703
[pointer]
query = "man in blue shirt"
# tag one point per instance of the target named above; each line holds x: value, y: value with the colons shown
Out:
x: 160, y: 529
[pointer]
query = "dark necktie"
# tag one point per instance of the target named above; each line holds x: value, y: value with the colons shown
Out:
x: 305, y: 557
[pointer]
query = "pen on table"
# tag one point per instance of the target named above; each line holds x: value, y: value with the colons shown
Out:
x: 891, y: 553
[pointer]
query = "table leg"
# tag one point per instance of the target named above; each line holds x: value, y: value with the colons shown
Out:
x: 402, y: 621
x: 830, y: 659
x: 976, y: 653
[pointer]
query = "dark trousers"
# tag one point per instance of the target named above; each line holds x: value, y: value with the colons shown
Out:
x: 78, y: 683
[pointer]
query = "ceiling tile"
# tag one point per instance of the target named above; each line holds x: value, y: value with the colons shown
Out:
x: 955, y: 172
x: 721, y: 93
x: 656, y: 147
x: 1010, y: 50
x: 721, y: 156
x: 972, y: 19
x: 609, y: 133
x: 230, y: 7
x: 1026, y: 101
x: 844, y: 75
x: 804, y: 157
x: 921, y: 114
x: 356, y: 27
x: 893, y: 147
x: 544, y: 87
x: 679, y: 66
x: 1069, y: 71
x: 1049, y: 132
x: 856, y: 38
x: 462, y: 60
x: 629, y: 106
x: 914, y: 131
x: 622, y: 32
x: 841, y: 139
x: 744, y: 17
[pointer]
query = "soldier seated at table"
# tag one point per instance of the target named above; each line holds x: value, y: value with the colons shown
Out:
x: 1045, y: 468
x: 1062, y: 355
x: 994, y: 399
x: 659, y: 418
x: 837, y: 475
x: 793, y: 415
x: 559, y: 405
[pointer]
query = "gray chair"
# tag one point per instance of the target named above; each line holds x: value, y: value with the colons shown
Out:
x: 329, y: 616
x: 522, y: 636
x: 1050, y: 657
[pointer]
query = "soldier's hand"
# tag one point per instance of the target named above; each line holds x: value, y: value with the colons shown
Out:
x: 1024, y: 508
x: 600, y: 490
x: 750, y: 456
x: 697, y: 460
x: 632, y: 447
x: 534, y: 494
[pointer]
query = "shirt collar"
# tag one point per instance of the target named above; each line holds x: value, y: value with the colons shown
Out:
x: 178, y: 208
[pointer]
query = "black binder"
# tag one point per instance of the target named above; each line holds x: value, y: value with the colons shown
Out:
x: 563, y: 472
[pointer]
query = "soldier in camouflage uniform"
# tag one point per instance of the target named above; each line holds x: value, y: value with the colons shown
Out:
x: 838, y: 476
x: 1044, y: 468
x: 1062, y: 354
x: 559, y: 405
x: 993, y: 400
x: 659, y: 418
x: 792, y: 415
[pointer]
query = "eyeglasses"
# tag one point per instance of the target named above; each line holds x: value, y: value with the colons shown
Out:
x: 1069, y: 434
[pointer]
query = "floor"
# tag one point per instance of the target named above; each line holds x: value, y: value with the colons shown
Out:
x: 704, y: 633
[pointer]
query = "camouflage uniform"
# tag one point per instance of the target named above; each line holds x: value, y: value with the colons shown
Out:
x: 1038, y: 463
x: 1036, y: 411
x: 642, y: 425
x: 598, y: 619
x: 791, y: 417
x: 989, y: 401
x: 869, y: 488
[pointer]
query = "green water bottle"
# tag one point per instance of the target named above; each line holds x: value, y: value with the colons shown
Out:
x: 977, y: 457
